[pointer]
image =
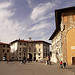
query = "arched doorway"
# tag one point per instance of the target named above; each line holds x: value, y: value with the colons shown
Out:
x: 30, y: 57
x: 34, y: 58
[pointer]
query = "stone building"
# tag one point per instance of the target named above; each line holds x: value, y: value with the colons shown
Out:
x: 56, y: 46
x: 4, y: 51
x: 32, y: 50
x: 65, y: 23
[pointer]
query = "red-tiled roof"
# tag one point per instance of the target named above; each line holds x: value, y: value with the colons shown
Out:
x: 29, y: 41
x: 1, y: 43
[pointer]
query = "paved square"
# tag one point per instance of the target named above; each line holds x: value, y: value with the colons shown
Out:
x: 16, y: 68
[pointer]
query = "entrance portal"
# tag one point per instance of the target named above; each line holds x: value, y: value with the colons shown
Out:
x: 73, y: 60
x: 30, y: 57
x: 34, y: 58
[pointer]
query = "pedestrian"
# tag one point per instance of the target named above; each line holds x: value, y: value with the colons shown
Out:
x: 64, y: 64
x: 61, y: 64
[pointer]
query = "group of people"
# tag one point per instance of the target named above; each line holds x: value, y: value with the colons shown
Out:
x: 62, y: 64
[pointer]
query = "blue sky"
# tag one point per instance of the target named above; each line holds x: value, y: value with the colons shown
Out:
x: 29, y: 18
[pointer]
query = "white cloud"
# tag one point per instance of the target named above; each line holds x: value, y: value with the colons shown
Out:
x: 37, y: 27
x: 30, y: 3
x: 41, y: 10
x: 9, y: 29
x: 5, y: 5
x: 40, y: 26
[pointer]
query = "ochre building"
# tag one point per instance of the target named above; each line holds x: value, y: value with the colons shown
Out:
x: 65, y: 24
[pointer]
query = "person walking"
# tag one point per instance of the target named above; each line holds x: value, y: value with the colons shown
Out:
x: 61, y: 64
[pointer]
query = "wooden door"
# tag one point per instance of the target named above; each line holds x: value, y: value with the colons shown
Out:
x: 73, y: 60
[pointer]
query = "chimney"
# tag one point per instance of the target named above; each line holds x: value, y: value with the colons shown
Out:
x: 30, y: 38
x: 19, y: 38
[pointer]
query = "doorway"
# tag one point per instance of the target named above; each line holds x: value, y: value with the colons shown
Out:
x: 73, y: 60
x: 34, y: 58
x: 30, y: 57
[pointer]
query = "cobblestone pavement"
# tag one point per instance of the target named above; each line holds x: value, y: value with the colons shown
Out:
x: 16, y: 68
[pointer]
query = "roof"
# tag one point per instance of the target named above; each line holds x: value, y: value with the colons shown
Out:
x: 58, y: 14
x: 1, y: 43
x: 54, y: 34
x: 29, y: 41
x: 58, y: 19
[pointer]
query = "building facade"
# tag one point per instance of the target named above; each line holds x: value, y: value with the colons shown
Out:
x: 56, y: 47
x: 32, y: 50
x: 65, y: 22
x: 4, y: 51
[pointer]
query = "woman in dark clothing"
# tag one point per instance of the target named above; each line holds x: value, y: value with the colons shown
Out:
x: 64, y: 64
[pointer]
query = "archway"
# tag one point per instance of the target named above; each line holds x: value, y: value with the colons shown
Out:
x: 30, y: 57
x: 34, y: 58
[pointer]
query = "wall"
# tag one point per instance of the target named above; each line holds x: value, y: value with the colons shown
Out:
x: 68, y: 19
x: 70, y: 45
x: 56, y: 48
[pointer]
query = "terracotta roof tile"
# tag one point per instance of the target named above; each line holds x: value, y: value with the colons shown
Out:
x: 1, y: 43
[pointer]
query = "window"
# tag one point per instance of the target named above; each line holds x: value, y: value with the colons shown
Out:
x: 3, y: 45
x: 3, y: 50
x: 19, y: 53
x: 7, y: 51
x: 20, y: 49
x: 24, y: 50
x: 34, y: 54
x: 29, y: 49
x: 39, y: 44
x: 34, y: 44
x: 24, y: 54
x: 39, y: 50
x: 35, y: 50
x: 46, y: 49
x: 46, y: 54
x: 39, y: 57
x: 25, y: 44
x: 19, y: 57
x: 39, y: 54
x: 8, y: 46
x: 20, y: 43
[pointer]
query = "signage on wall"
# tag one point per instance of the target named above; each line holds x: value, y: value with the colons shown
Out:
x: 72, y: 47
